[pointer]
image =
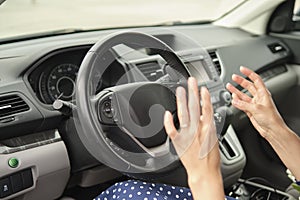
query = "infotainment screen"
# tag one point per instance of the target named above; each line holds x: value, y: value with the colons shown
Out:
x: 198, y: 70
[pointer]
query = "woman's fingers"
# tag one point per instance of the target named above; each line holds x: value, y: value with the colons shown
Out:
x: 169, y: 125
x: 207, y: 109
x: 255, y: 86
x: 182, y: 109
x: 245, y: 84
x: 240, y: 94
x: 188, y: 112
x: 194, y: 100
x: 242, y: 105
x: 254, y: 77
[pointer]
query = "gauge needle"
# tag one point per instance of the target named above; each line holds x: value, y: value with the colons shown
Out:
x: 60, y: 96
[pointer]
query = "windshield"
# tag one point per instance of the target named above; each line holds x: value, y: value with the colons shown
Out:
x: 23, y: 17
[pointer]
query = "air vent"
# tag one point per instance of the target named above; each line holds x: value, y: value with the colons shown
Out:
x: 216, y: 61
x: 276, y: 47
x: 151, y: 70
x: 12, y: 104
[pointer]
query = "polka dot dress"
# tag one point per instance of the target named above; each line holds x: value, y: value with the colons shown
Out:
x: 133, y: 189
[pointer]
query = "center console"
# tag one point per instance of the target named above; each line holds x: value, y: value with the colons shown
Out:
x: 233, y: 162
x: 232, y: 156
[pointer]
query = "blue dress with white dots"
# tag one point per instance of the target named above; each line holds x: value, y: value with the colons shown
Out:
x: 133, y: 189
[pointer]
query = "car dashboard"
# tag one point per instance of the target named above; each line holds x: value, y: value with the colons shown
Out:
x: 34, y: 73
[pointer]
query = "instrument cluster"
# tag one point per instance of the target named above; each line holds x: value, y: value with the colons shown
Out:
x: 54, y: 75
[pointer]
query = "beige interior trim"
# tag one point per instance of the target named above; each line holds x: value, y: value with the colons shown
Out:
x: 50, y: 169
x: 252, y: 16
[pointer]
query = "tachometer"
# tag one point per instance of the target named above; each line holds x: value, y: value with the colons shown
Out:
x: 61, y: 82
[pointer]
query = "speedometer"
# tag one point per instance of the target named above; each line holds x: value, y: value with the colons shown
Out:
x: 61, y: 82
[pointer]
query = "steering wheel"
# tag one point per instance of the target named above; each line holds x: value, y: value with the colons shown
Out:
x: 122, y: 126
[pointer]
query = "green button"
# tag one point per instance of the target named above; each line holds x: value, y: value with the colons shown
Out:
x: 13, y: 162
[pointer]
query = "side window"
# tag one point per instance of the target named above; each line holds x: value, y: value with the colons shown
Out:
x: 297, y: 10
x: 286, y: 17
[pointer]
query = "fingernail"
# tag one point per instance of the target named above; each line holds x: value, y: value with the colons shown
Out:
x: 192, y: 80
x: 183, y: 125
x: 165, y: 115
x: 180, y: 91
x: 204, y: 90
x: 234, y: 95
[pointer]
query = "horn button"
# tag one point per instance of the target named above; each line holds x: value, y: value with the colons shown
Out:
x: 138, y: 109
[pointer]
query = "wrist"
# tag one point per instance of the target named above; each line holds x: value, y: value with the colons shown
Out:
x: 204, y: 176
x: 277, y: 132
x: 201, y: 185
x: 203, y: 170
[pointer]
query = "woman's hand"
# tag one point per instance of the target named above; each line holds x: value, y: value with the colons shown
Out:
x: 264, y: 116
x: 260, y: 108
x: 196, y: 141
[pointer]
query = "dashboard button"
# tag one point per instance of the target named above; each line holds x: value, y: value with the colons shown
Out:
x: 107, y: 109
x: 13, y: 162
x: 16, y: 182
x: 218, y: 117
x: 27, y: 178
x: 226, y: 97
x: 5, y: 187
